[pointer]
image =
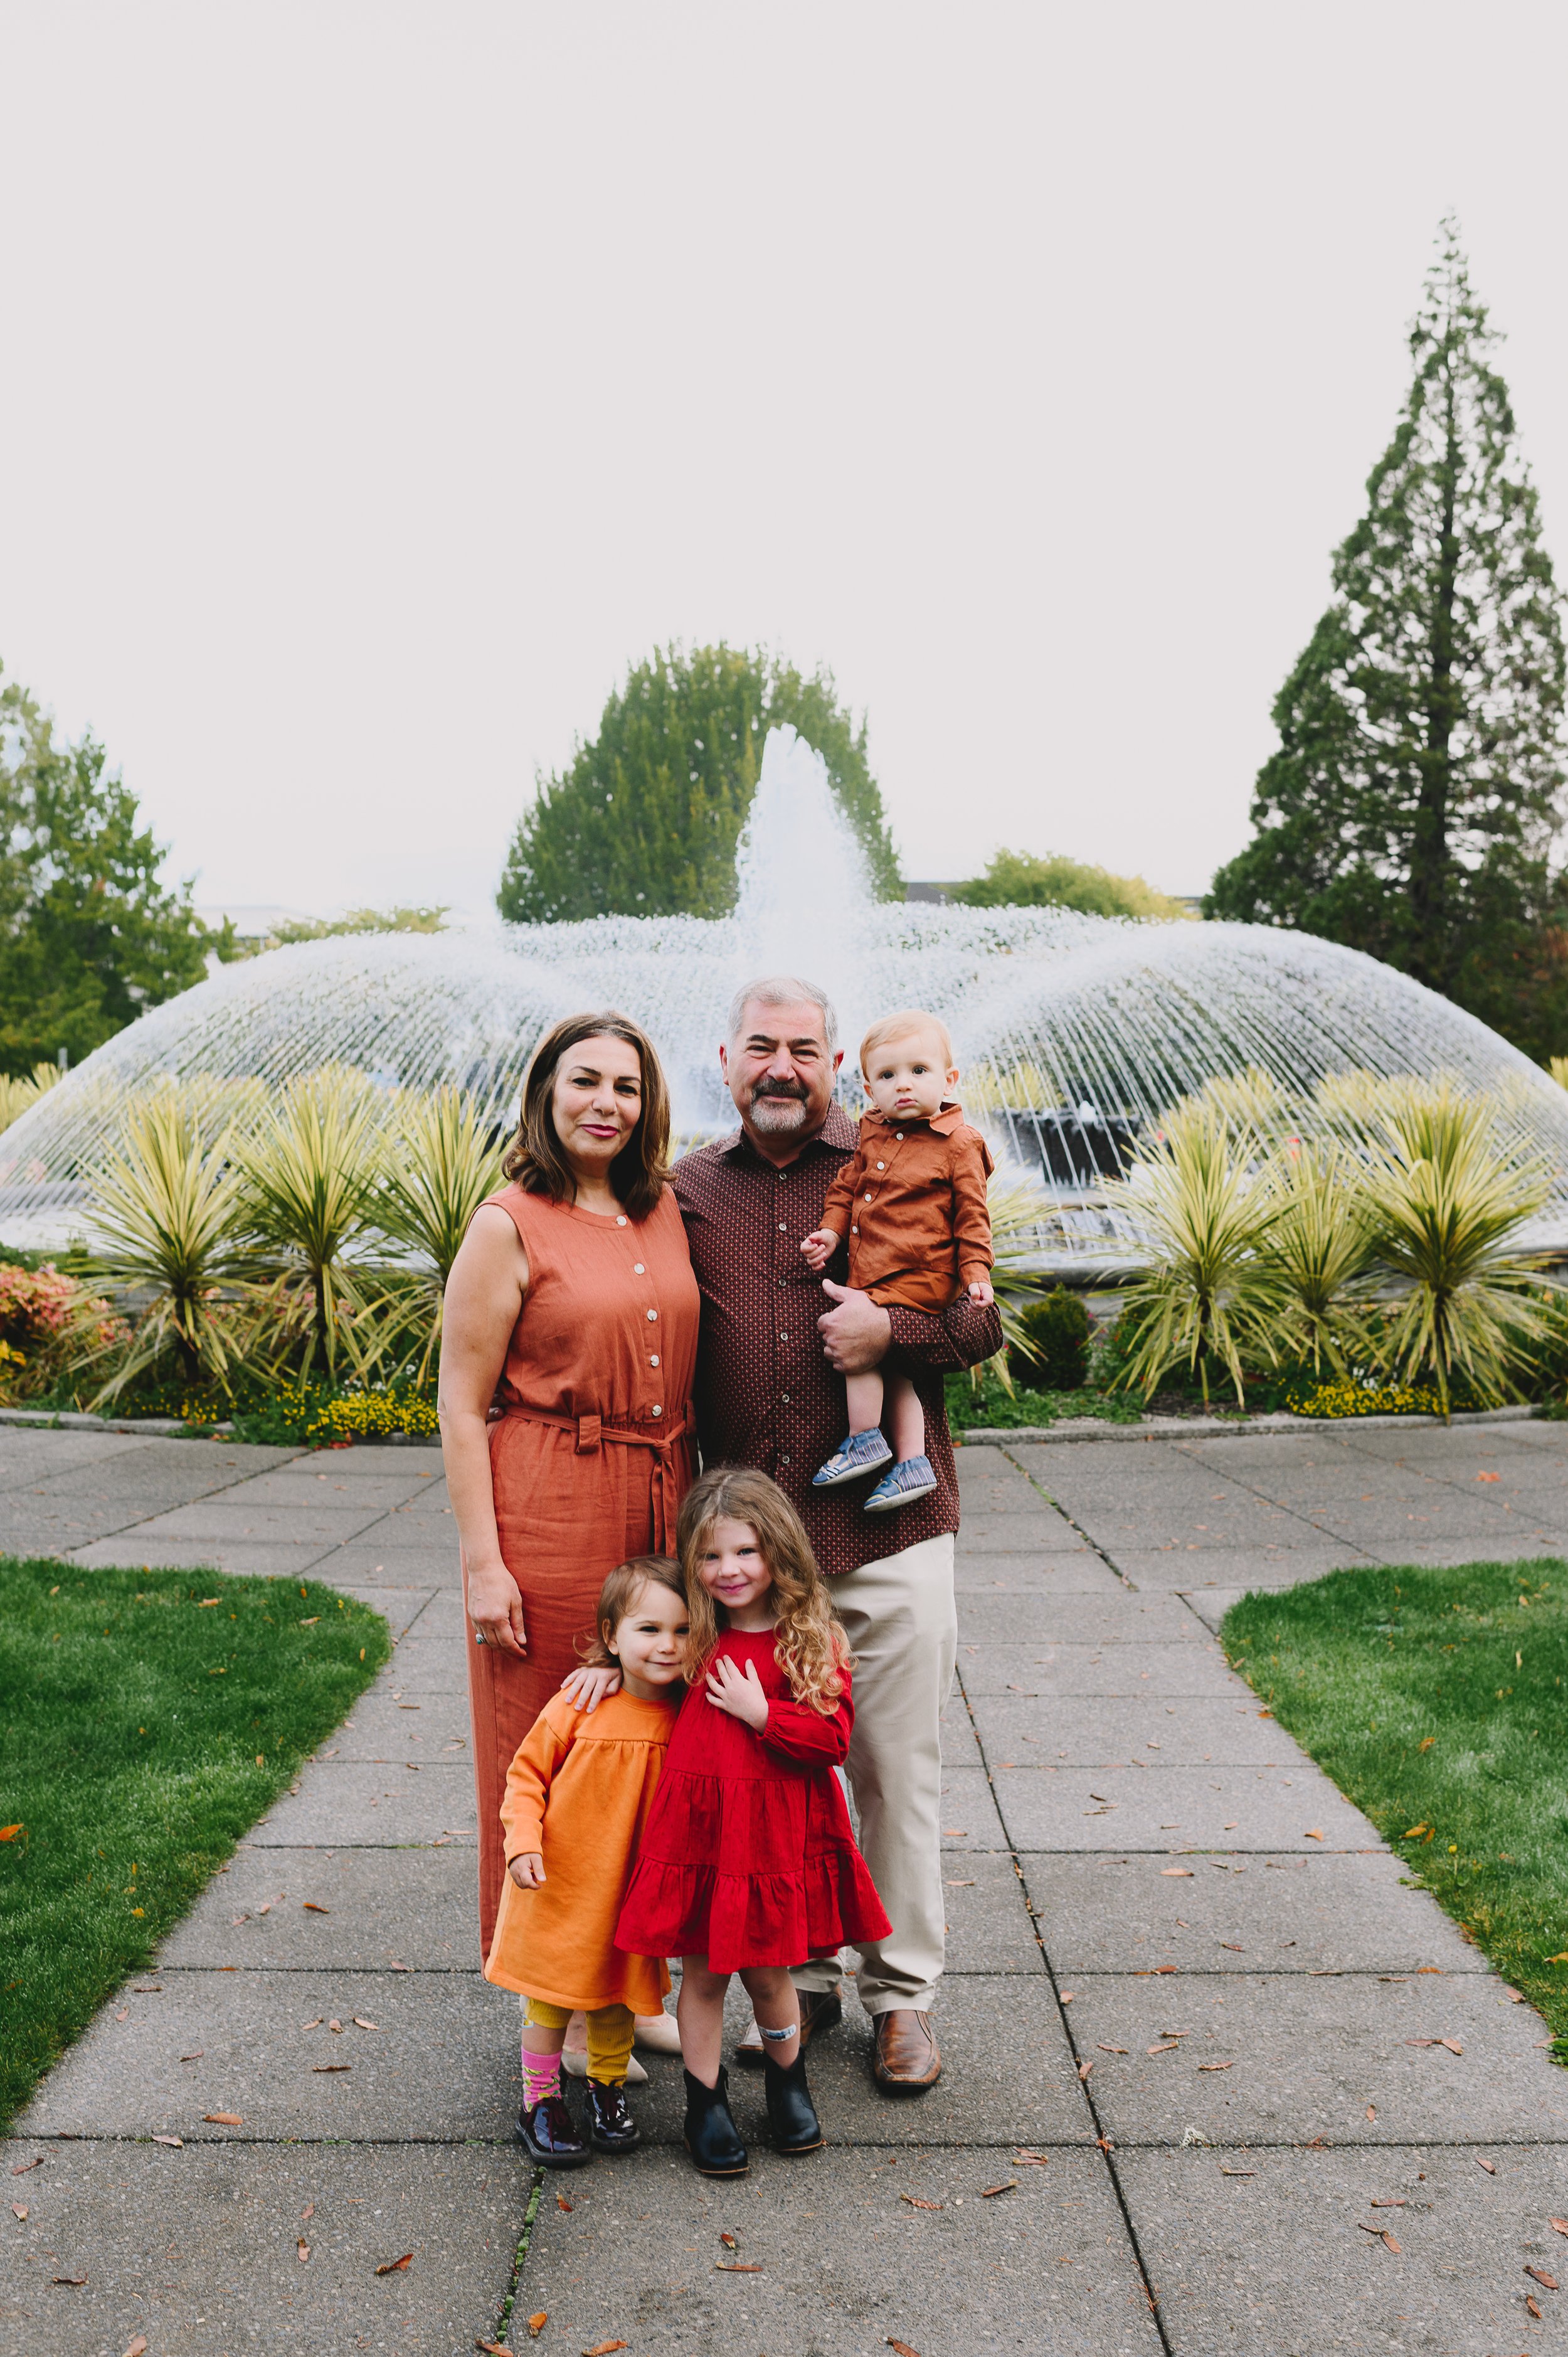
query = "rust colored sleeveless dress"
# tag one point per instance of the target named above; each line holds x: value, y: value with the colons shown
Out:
x: 589, y: 1459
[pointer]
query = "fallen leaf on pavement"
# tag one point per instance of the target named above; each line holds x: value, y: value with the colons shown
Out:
x: 1543, y: 2278
x: 901, y: 2348
x: 1181, y: 1873
x: 736, y: 2268
x: 1380, y: 2234
x: 1453, y: 2045
x: 393, y: 1967
x: 1169, y: 2048
x: 18, y: 2209
x: 308, y: 2212
x: 194, y: 2055
x: 336, y: 2028
x: 1235, y: 2172
x: 1312, y: 1834
x: 361, y: 2023
x: 177, y: 2142
x: 989, y: 2193
x: 312, y: 2025
x: 1219, y: 2066
x: 68, y: 2279
x: 1235, y: 1947
x: 729, y: 2242
x: 1031, y: 2160
x: 138, y: 2347
x: 1371, y: 2112
x: 396, y: 2266
x: 23, y: 2166
x: 537, y: 2323
x: 302, y: 2251
x: 1532, y: 2308
x: 1491, y: 2168
x: 1109, y: 2049
x: 561, y: 2204
x: 603, y: 2349
x: 1084, y: 2069
x: 326, y: 2069
x: 1395, y: 2247
x: 1560, y: 2223
x: 224, y: 2119
x: 493, y: 2348
x: 915, y: 2202
x: 311, y: 1908
x: 1389, y: 2201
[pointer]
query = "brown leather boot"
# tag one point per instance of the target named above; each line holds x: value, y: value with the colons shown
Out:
x: 907, y: 2057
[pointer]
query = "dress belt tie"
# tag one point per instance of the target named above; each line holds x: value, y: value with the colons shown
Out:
x: 592, y: 1432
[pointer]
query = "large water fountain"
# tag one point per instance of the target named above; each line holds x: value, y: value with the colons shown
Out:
x: 1077, y: 1031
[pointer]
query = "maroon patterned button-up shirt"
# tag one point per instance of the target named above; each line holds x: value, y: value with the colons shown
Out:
x: 766, y: 1394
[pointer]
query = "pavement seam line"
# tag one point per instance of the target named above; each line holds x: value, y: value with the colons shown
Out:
x: 1102, y: 2138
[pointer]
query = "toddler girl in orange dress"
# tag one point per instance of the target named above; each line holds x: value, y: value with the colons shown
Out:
x: 912, y: 1200
x: 577, y: 1797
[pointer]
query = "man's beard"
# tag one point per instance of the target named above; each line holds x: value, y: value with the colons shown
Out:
x: 780, y: 1110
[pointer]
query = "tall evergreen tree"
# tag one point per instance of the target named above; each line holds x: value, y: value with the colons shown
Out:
x: 1412, y: 805
x: 644, y: 820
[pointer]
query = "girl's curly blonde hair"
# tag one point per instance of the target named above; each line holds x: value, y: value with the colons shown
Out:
x: 812, y: 1650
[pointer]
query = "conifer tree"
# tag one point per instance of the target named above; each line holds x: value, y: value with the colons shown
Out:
x: 1411, y: 807
x: 644, y: 820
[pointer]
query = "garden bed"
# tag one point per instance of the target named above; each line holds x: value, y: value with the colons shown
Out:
x: 1435, y: 1699
x: 151, y: 1717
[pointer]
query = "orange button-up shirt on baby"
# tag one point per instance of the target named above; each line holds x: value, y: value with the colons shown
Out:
x: 911, y: 1200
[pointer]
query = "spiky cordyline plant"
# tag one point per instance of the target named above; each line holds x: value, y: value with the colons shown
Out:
x: 1204, y: 1220
x: 165, y: 1217
x: 309, y: 1173
x: 441, y: 1167
x: 18, y: 1094
x: 1447, y: 1190
x: 1317, y: 1247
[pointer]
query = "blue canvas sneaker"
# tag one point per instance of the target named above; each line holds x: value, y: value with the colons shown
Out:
x: 911, y: 1479
x: 863, y: 1452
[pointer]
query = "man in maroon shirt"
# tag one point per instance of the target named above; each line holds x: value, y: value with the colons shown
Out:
x: 771, y: 1365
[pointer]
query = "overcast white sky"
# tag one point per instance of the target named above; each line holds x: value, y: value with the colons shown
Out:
x: 381, y: 380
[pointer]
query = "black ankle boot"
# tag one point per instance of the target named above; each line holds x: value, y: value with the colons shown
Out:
x: 792, y: 2121
x: 547, y: 2130
x: 712, y: 2138
x: 610, y: 2124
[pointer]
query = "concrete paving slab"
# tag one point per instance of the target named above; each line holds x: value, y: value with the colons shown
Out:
x: 1280, y: 2263
x: 198, y: 2252
x: 371, y: 1805
x: 969, y: 1811
x: 989, y: 1926
x: 1235, y: 1568
x: 1308, y: 2056
x: 273, y: 1559
x: 432, y: 1665
x: 1016, y: 1534
x: 415, y: 1907
x: 303, y: 1484
x: 1377, y: 1528
x: 1016, y: 1728
x: 234, y: 1518
x: 1169, y: 1670
x: 1084, y: 1573
x: 389, y: 1723
x: 960, y: 1748
x: 847, y: 2266
x: 37, y: 1454
x: 373, y: 1558
x: 443, y: 2061
x: 1075, y: 1618
x: 1345, y: 1913
x: 1165, y: 1807
x: 391, y: 1457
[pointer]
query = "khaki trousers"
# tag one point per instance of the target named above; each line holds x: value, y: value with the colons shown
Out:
x: 902, y: 1626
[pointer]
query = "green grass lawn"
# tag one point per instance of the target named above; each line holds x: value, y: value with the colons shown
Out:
x: 148, y: 1719
x: 1438, y: 1702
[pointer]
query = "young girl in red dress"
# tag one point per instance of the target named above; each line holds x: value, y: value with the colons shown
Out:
x: 747, y: 1863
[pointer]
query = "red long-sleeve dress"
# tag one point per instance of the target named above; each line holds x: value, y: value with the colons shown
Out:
x: 747, y: 1856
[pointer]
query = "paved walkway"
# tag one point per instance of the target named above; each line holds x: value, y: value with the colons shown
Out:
x: 1176, y: 2024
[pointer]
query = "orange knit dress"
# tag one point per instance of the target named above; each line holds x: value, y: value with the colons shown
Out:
x: 589, y: 1459
x: 578, y: 1793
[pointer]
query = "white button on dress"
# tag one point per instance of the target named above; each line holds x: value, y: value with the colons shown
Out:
x: 620, y: 1219
x: 653, y: 1362
x: 637, y: 1268
x: 882, y: 1165
x: 652, y: 1316
x: 657, y: 1411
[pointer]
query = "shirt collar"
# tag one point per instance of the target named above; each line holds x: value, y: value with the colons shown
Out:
x: 944, y: 1123
x: 836, y: 1136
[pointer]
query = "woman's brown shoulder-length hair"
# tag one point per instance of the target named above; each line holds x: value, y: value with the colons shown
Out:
x: 536, y: 1158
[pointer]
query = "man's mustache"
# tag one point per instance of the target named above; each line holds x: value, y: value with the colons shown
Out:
x: 780, y: 1089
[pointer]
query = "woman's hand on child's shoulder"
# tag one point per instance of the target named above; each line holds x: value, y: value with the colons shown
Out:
x: 742, y: 1697
x: 590, y: 1685
x: 528, y: 1871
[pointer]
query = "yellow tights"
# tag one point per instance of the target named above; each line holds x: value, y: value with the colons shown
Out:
x: 610, y: 2028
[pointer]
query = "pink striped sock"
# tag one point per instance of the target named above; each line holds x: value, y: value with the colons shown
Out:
x: 540, y: 2077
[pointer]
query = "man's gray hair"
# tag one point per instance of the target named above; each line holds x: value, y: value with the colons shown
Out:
x: 784, y: 990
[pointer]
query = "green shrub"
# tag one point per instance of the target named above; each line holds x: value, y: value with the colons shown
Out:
x: 1051, y: 1352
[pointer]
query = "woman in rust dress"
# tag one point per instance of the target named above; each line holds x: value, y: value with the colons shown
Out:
x: 572, y: 1310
